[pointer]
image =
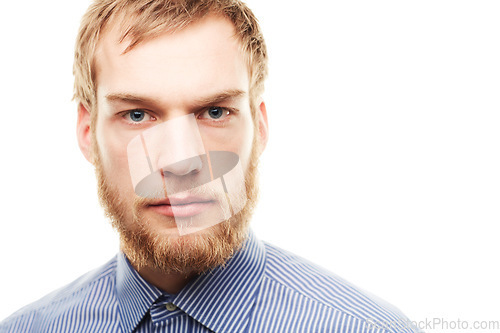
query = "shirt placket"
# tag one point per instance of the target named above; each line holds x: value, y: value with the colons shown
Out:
x: 163, y: 312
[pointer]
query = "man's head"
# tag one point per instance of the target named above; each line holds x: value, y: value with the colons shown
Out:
x: 139, y: 64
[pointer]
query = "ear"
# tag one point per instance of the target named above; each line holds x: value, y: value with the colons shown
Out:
x: 83, y: 132
x: 263, y: 127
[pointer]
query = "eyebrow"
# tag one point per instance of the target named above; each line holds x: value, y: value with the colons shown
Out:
x: 125, y: 97
x: 203, y: 101
x: 220, y: 97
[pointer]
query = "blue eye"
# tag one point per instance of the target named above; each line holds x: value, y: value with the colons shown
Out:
x: 215, y: 112
x: 137, y: 116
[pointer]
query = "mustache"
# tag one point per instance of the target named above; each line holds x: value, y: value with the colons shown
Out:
x: 204, y: 192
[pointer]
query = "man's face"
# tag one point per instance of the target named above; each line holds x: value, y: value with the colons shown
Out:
x: 198, y: 71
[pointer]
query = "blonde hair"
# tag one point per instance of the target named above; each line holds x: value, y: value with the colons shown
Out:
x: 143, y: 20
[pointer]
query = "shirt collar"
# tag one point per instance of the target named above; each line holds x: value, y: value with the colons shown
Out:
x: 135, y: 295
x: 220, y: 299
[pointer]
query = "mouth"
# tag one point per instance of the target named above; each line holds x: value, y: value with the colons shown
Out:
x: 182, y: 207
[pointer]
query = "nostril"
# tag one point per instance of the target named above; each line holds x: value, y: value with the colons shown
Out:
x: 167, y: 172
x: 186, y: 167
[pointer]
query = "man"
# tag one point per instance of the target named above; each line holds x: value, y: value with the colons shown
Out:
x: 171, y: 116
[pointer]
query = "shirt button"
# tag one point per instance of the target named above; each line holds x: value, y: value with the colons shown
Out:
x: 171, y: 307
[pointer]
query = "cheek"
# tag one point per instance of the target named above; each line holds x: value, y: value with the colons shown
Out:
x: 237, y: 139
x: 246, y: 139
x: 113, y: 151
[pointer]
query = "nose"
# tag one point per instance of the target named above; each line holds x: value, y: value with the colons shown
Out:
x: 175, y: 146
x: 186, y: 167
x: 173, y: 149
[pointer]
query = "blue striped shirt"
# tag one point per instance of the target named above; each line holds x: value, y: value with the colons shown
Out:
x: 260, y: 289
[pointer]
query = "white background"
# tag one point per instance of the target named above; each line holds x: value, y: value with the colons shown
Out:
x: 383, y: 163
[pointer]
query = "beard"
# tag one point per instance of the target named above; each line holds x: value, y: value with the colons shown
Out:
x: 173, y: 254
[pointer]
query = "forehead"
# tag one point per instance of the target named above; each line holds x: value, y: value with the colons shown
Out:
x: 204, y: 57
